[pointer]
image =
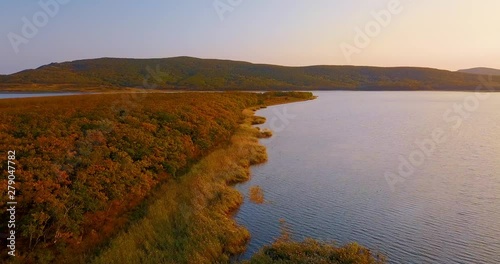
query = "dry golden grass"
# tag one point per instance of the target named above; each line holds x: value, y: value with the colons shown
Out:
x: 256, y: 195
x: 258, y: 120
x: 285, y: 250
x: 190, y: 222
x: 265, y: 133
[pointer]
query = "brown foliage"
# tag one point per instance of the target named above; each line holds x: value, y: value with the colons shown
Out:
x: 256, y: 195
x: 84, y: 161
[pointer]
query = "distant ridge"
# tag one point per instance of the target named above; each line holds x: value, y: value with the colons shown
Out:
x: 482, y: 71
x: 189, y: 73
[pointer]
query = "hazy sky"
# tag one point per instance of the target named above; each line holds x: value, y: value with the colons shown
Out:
x: 446, y: 34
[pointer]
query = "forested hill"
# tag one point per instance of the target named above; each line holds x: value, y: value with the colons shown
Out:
x: 208, y: 74
x: 482, y: 71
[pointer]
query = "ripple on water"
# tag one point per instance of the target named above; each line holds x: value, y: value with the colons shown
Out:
x: 325, y: 177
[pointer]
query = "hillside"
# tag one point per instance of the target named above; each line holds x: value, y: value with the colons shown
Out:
x: 206, y: 74
x: 482, y: 71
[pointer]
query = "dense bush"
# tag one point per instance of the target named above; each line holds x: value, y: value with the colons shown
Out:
x: 188, y: 221
x: 83, y: 161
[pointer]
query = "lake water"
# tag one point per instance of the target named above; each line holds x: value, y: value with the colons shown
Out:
x: 6, y: 95
x: 328, y: 161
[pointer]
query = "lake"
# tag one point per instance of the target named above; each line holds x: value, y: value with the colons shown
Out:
x: 7, y: 95
x: 413, y: 175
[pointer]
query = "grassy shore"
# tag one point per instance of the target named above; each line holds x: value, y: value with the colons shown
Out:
x: 189, y: 220
x: 205, y: 144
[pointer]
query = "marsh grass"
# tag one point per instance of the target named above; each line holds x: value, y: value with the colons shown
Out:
x: 313, y: 251
x: 265, y: 133
x: 286, y: 251
x: 258, y: 120
x: 256, y: 195
x: 190, y: 221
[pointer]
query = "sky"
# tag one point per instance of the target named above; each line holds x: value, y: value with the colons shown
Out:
x: 444, y: 34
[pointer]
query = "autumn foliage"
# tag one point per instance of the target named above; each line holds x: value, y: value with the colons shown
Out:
x: 83, y: 161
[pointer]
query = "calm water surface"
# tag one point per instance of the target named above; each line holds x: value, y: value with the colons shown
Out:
x: 7, y: 95
x: 327, y: 162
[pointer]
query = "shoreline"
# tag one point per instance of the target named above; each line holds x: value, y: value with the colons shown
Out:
x: 199, y: 224
x: 139, y: 90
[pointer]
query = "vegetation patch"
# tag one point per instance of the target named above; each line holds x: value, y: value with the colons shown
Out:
x: 313, y: 251
x: 85, y: 162
x: 286, y: 251
x: 256, y: 195
x: 200, y: 205
x: 258, y: 120
x: 265, y: 133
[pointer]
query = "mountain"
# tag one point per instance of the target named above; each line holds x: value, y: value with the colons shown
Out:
x: 209, y: 74
x: 482, y: 71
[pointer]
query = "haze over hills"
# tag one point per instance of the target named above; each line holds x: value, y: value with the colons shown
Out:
x: 210, y: 74
x: 482, y: 71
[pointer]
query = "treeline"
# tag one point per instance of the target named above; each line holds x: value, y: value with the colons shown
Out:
x: 207, y: 74
x: 83, y: 162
